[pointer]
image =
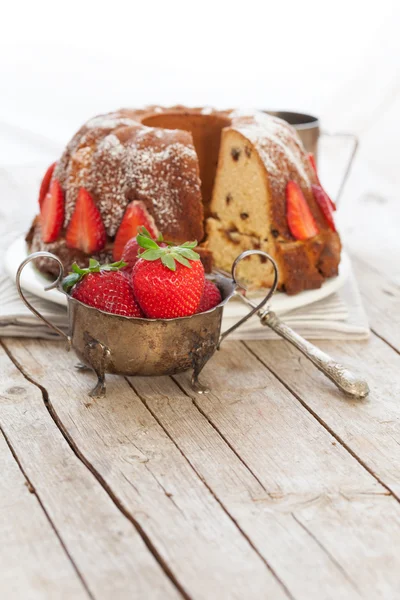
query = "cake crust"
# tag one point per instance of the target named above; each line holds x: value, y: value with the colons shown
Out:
x: 198, y: 169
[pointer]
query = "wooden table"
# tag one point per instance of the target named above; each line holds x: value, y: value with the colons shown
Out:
x: 273, y: 486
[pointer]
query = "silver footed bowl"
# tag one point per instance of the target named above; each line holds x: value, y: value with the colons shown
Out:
x: 108, y: 343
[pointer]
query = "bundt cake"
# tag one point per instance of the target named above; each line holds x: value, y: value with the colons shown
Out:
x: 233, y: 180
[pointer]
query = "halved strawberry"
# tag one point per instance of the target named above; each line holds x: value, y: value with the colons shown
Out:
x: 136, y: 215
x: 44, y: 186
x: 314, y: 166
x: 322, y: 199
x: 86, y: 229
x: 52, y: 213
x: 300, y: 219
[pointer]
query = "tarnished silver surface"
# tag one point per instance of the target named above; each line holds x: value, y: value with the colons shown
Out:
x: 55, y: 284
x: 309, y: 130
x: 109, y: 343
x: 255, y: 308
x: 344, y: 379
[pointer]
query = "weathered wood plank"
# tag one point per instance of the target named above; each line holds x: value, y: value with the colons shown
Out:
x: 382, y: 301
x: 317, y: 505
x: 369, y: 428
x: 109, y: 552
x: 263, y: 515
x: 151, y: 479
x: 33, y: 562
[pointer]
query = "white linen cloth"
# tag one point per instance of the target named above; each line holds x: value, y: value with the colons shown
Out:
x: 340, y: 316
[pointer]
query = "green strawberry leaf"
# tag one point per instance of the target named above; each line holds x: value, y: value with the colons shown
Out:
x: 168, y: 261
x: 151, y: 254
x: 70, y: 280
x: 168, y: 253
x: 76, y: 269
x: 94, y: 264
x: 143, y: 231
x: 146, y: 242
x: 118, y: 265
x: 113, y: 266
x: 187, y: 253
x: 182, y: 260
x: 189, y: 245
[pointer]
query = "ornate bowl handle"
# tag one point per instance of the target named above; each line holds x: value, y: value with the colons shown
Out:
x: 355, y: 142
x: 263, y: 302
x: 49, y: 287
x: 342, y: 377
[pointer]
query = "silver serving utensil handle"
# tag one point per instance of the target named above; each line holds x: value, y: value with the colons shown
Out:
x: 344, y: 379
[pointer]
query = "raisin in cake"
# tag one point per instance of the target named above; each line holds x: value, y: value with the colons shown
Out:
x: 234, y: 180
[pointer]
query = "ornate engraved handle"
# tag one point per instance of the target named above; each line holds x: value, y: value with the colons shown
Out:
x: 49, y: 287
x: 344, y: 379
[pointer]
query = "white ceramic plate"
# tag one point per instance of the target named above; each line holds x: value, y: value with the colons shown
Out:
x: 34, y: 282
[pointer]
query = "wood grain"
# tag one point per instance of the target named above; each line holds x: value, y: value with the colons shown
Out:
x: 33, y: 563
x: 371, y: 428
x: 382, y: 301
x: 150, y: 479
x: 110, y: 553
x: 309, y: 507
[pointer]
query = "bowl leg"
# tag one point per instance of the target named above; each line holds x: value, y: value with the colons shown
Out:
x: 99, y: 390
x: 97, y: 355
x: 201, y: 353
x: 198, y: 387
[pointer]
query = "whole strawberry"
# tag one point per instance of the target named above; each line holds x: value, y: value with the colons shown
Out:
x: 103, y: 287
x: 210, y: 298
x: 168, y: 281
x: 130, y: 254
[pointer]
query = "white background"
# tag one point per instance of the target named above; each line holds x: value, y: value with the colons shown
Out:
x: 61, y: 63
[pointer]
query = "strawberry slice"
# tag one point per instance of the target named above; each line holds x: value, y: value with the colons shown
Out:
x: 52, y: 213
x: 136, y: 215
x: 314, y: 166
x: 300, y: 219
x: 44, y: 186
x: 86, y: 229
x: 322, y: 199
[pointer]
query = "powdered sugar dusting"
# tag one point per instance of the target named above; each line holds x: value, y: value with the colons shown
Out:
x: 276, y: 142
x: 117, y: 159
x: 148, y: 164
x: 109, y: 122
